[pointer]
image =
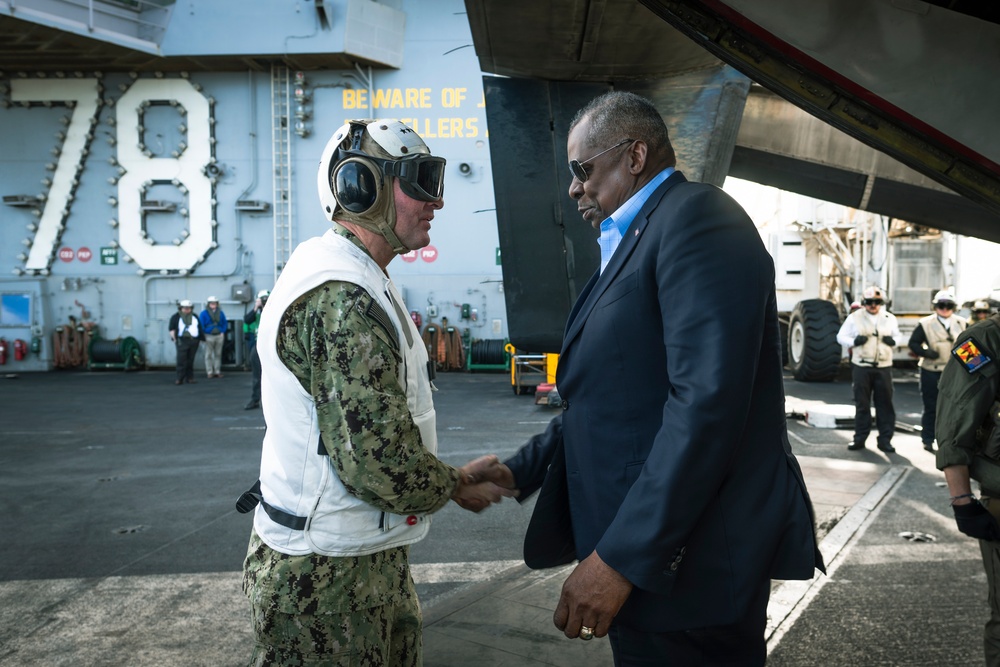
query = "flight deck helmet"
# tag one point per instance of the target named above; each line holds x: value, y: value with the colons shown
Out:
x: 358, y: 166
x: 872, y: 295
x: 944, y: 299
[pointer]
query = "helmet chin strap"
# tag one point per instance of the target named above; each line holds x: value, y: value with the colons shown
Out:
x: 385, y: 224
x: 390, y: 236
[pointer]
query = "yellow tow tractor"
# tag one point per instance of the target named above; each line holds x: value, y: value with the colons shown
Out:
x: 532, y: 373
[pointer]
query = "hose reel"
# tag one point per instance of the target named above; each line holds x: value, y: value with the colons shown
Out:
x: 488, y: 354
x: 123, y: 353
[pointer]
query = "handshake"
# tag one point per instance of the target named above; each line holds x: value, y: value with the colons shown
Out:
x: 482, y: 482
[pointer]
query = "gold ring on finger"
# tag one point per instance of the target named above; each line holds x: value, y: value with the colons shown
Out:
x: 586, y: 634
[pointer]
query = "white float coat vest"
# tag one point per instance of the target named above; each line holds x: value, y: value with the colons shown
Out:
x: 940, y: 339
x: 294, y: 477
x: 192, y: 328
x: 873, y: 349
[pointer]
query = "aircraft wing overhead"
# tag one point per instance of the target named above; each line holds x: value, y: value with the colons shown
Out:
x: 570, y: 40
x: 912, y: 79
x: 906, y: 78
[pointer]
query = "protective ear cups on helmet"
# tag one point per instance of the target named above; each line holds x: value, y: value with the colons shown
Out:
x: 356, y: 184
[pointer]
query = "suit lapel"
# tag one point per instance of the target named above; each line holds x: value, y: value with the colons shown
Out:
x: 599, y: 283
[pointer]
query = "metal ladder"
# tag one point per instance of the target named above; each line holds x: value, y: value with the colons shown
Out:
x: 281, y: 146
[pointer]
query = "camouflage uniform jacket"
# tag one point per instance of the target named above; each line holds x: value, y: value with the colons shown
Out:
x: 967, y: 399
x: 345, y: 360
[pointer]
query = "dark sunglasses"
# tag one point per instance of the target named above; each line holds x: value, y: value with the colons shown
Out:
x: 576, y: 166
x: 872, y: 302
x: 945, y: 305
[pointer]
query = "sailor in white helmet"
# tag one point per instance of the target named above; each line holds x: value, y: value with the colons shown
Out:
x: 932, y: 341
x: 349, y: 476
x: 871, y: 333
x: 186, y: 335
x: 981, y: 310
x: 214, y: 326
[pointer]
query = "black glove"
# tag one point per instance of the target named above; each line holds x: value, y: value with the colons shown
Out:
x: 860, y: 340
x: 890, y: 341
x: 975, y: 521
x: 931, y: 354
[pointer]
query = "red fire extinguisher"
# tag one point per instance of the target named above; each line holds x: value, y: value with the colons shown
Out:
x: 20, y: 349
x: 3, y: 351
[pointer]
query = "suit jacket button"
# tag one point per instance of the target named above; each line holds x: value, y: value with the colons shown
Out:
x: 565, y: 404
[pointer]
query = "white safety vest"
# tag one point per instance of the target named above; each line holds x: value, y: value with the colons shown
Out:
x: 294, y: 477
x: 192, y: 328
x: 873, y: 349
x: 940, y: 339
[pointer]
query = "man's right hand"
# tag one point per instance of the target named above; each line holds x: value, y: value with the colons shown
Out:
x: 482, y: 482
x: 860, y: 340
x: 975, y: 521
x: 488, y: 469
x: 477, y: 497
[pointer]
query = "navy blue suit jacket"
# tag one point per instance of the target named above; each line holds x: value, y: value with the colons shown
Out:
x: 670, y: 456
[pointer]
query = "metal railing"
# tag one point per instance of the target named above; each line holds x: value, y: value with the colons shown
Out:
x: 135, y: 21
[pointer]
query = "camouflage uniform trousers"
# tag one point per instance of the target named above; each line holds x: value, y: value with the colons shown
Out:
x: 315, y: 610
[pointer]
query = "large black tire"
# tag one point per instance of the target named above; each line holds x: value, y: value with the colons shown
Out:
x: 813, y: 351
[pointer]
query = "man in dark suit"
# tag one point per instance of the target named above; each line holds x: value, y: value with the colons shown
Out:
x: 668, y: 473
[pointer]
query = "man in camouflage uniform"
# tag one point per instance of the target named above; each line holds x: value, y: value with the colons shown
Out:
x: 968, y: 435
x: 348, y: 472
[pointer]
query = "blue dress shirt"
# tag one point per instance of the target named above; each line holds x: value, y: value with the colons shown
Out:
x: 613, y: 228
